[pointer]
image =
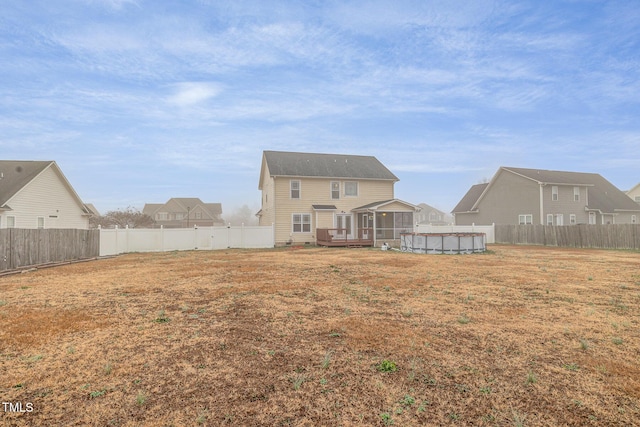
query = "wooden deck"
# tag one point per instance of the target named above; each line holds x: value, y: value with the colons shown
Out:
x: 337, y: 237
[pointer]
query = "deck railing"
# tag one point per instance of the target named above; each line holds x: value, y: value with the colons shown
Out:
x: 341, y: 237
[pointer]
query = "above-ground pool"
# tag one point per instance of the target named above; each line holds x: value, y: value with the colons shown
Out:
x: 443, y: 243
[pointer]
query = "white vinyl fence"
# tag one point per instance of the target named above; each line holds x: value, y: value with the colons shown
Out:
x: 118, y: 241
x: 489, y: 230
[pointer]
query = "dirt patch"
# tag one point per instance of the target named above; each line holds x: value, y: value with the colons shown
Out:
x: 518, y: 336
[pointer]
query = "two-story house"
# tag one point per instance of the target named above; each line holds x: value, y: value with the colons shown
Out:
x: 36, y: 194
x: 534, y: 196
x: 330, y: 198
x: 184, y: 212
x: 433, y: 216
x: 634, y: 193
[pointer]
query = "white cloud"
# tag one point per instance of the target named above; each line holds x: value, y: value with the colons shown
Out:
x: 187, y: 94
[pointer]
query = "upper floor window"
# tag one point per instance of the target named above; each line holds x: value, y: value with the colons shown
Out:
x: 295, y: 189
x: 179, y: 216
x: 351, y: 188
x: 162, y: 216
x: 335, y: 190
x: 637, y: 199
x: 576, y: 194
x: 198, y: 215
x: 554, y: 192
x: 525, y: 219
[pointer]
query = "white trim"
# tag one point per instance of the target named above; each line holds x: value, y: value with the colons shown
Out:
x: 291, y: 189
x: 331, y: 190
x: 345, y: 189
x: 302, y: 223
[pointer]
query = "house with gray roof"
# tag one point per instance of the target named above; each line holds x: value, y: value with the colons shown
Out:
x: 634, y: 193
x: 36, y: 194
x: 331, y: 199
x: 535, y: 196
x: 184, y: 212
x: 429, y: 215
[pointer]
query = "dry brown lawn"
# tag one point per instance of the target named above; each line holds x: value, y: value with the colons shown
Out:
x: 517, y: 336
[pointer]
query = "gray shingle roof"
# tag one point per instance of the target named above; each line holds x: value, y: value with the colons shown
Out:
x: 603, y: 195
x: 282, y: 163
x: 470, y: 198
x: 16, y: 174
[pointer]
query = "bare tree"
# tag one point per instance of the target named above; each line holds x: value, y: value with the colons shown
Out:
x: 129, y: 217
x: 243, y: 215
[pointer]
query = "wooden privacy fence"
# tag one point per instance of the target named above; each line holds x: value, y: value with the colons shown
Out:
x: 30, y: 247
x: 609, y: 236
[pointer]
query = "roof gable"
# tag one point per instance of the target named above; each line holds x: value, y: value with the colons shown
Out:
x: 281, y: 163
x: 15, y: 175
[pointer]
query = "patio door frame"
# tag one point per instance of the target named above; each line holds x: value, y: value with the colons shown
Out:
x: 345, y: 220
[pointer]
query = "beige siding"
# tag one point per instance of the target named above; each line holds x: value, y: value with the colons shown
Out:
x: 396, y: 207
x: 268, y: 200
x: 47, y: 197
x: 317, y: 192
x: 634, y: 193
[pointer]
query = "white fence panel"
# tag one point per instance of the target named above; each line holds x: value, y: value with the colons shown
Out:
x: 489, y: 230
x: 117, y: 241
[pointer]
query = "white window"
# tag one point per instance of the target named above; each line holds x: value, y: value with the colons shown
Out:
x: 549, y: 219
x: 351, y: 188
x: 554, y: 192
x: 198, y: 215
x: 11, y: 222
x: 592, y: 217
x: 295, y: 189
x: 525, y: 219
x: 637, y: 199
x: 40, y: 222
x: 335, y: 190
x: 559, y: 219
x: 633, y: 219
x: 576, y: 194
x: 179, y: 216
x: 301, y: 223
x: 572, y: 219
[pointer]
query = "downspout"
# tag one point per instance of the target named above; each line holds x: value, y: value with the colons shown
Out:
x: 541, y: 204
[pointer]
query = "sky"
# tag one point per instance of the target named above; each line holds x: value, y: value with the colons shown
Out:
x: 139, y: 101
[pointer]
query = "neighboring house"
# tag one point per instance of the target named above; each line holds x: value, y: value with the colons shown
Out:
x: 532, y: 196
x: 184, y: 213
x: 430, y: 215
x: 36, y: 194
x: 634, y: 193
x: 339, y: 196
